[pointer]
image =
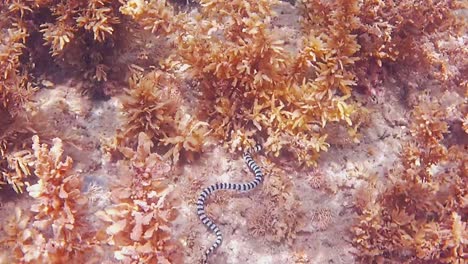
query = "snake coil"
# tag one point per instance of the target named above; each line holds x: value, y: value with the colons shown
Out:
x: 243, y: 187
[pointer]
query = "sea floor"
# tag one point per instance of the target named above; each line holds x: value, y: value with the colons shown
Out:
x: 314, y: 218
x: 297, y: 215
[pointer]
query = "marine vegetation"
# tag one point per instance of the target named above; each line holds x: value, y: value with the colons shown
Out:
x: 138, y: 222
x: 250, y: 84
x: 55, y: 228
x: 110, y: 110
x: 420, y: 214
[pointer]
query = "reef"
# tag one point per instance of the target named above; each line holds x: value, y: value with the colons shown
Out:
x: 115, y: 113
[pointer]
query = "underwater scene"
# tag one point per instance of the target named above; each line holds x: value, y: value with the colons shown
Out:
x: 236, y: 131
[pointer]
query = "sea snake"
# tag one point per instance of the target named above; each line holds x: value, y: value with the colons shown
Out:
x: 243, y: 187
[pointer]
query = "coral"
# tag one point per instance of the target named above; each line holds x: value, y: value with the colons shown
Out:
x: 321, y: 218
x: 281, y: 215
x: 421, y: 214
x: 317, y: 179
x: 138, y: 224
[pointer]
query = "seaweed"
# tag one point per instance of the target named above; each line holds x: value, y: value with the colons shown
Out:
x: 55, y: 228
x: 250, y: 85
x: 138, y: 223
x: 154, y: 105
x: 420, y: 216
x: 230, y: 79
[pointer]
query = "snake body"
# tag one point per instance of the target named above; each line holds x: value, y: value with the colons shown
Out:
x: 242, y: 187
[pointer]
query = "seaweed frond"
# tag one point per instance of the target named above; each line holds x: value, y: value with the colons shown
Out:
x: 251, y: 85
x: 420, y: 215
x: 98, y: 17
x: 16, y: 158
x: 55, y: 230
x: 156, y: 16
x: 189, y: 137
x: 150, y: 104
x: 15, y: 88
x: 154, y: 105
x: 139, y: 222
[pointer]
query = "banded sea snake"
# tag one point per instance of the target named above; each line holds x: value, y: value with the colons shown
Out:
x: 243, y: 187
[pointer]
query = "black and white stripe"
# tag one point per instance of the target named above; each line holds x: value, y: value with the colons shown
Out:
x: 242, y: 187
